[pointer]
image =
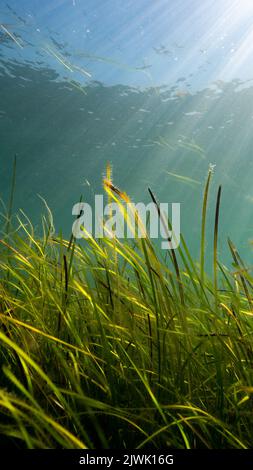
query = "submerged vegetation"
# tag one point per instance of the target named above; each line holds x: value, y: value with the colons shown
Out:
x: 109, y: 343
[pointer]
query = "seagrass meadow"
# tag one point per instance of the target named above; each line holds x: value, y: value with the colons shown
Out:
x: 112, y: 344
x: 123, y: 339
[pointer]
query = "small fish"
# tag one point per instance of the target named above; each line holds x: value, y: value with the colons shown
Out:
x: 58, y: 57
x: 77, y: 86
x: 109, y: 60
x: 183, y: 179
x: 11, y: 36
x: 16, y: 15
x: 162, y: 50
x: 192, y: 146
x: 83, y: 71
x: 193, y: 113
x: 163, y: 143
x: 144, y: 67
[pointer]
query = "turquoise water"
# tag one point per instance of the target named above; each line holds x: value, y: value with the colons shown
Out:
x: 158, y: 89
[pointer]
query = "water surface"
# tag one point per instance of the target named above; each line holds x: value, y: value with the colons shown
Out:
x: 160, y: 89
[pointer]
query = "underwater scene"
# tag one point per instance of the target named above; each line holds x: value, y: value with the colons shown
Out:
x: 126, y: 267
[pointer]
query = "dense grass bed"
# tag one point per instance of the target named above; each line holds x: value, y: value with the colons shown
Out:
x: 108, y: 343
